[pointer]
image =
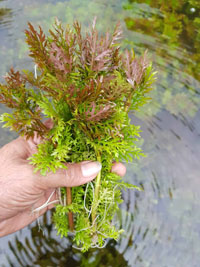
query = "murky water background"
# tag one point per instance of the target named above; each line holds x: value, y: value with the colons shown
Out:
x: 162, y: 224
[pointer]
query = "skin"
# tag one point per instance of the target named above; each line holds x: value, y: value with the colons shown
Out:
x: 22, y: 191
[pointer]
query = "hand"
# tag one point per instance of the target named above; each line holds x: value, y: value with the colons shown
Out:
x: 22, y: 191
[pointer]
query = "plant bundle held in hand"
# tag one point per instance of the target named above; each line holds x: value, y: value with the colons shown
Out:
x: 86, y: 86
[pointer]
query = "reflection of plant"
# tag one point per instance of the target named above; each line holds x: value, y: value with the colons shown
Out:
x: 48, y: 250
x: 175, y: 26
x: 175, y: 23
x: 179, y: 102
x: 4, y: 12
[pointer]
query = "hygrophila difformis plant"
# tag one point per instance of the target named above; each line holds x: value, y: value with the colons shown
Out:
x: 86, y: 86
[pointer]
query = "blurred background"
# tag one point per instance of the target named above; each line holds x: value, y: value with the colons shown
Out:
x: 162, y: 223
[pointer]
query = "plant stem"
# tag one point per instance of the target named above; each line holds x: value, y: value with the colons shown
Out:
x: 69, y: 201
x: 38, y: 121
x: 96, y: 193
x: 70, y: 214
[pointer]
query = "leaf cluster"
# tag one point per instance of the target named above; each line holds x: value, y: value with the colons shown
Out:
x: 86, y: 86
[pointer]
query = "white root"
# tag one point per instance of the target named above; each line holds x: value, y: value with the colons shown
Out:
x: 47, y: 203
x: 59, y: 196
x: 87, y: 227
x: 93, y: 246
x: 35, y: 71
x: 39, y: 226
x: 103, y: 246
x: 108, y: 207
x: 85, y: 195
x: 65, y: 200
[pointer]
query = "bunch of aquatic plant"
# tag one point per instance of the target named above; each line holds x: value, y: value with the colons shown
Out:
x: 86, y: 86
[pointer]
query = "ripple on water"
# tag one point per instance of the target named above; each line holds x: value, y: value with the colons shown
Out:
x: 162, y: 222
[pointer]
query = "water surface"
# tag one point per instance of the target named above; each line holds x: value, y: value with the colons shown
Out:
x: 162, y: 224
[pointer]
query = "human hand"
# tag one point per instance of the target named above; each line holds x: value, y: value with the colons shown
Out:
x: 22, y: 190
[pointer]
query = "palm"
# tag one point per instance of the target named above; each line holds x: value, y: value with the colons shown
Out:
x: 20, y: 194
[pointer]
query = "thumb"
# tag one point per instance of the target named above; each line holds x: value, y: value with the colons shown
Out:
x: 76, y: 174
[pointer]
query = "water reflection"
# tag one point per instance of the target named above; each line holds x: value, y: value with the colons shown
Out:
x: 171, y: 32
x: 49, y: 250
x: 5, y: 17
x: 161, y: 223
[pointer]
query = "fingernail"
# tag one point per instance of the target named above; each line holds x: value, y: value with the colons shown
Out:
x: 91, y: 168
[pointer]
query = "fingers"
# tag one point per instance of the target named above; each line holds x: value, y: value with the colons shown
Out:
x: 19, y: 221
x: 27, y: 216
x: 75, y: 175
x: 16, y: 149
x: 37, y: 139
x: 49, y: 123
x: 47, y: 201
x: 119, y: 169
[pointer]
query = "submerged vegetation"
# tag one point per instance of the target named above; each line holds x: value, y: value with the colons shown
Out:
x: 86, y: 86
x: 174, y: 39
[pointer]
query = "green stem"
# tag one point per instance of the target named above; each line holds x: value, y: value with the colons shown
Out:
x: 96, y: 193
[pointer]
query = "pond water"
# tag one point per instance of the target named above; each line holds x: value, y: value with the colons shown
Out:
x: 162, y: 224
